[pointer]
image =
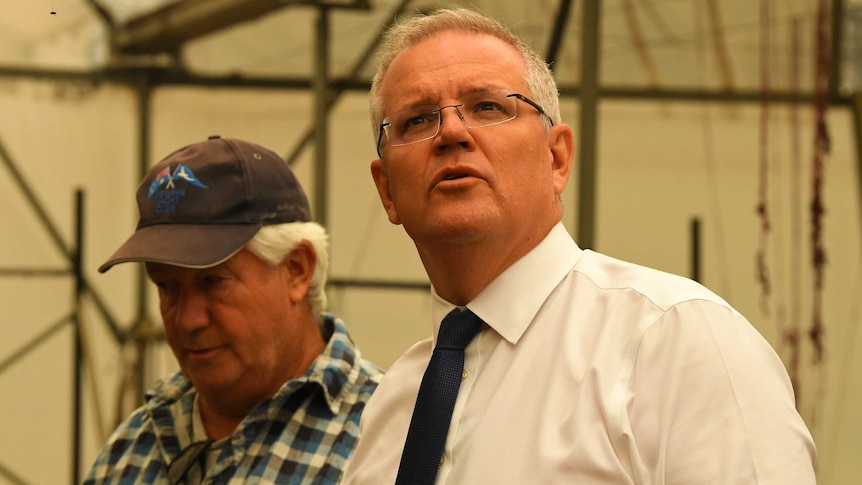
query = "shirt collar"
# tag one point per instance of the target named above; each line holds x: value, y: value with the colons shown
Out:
x: 337, y: 366
x: 509, y: 303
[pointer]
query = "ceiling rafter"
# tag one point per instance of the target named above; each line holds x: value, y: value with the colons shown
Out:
x: 167, y: 28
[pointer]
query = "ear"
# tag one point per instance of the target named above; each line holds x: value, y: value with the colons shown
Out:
x: 381, y: 181
x: 562, y: 144
x: 299, y: 267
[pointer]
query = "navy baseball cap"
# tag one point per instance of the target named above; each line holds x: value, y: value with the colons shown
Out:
x: 204, y: 202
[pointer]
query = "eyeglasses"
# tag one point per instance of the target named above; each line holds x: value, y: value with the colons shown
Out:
x: 192, y: 454
x: 420, y: 123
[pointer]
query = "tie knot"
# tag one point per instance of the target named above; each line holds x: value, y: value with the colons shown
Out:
x: 458, y: 329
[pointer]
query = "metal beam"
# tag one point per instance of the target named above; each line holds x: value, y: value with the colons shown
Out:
x: 56, y: 238
x: 102, y: 13
x: 837, y: 42
x: 352, y: 83
x: 378, y: 284
x: 589, y: 100
x: 169, y: 27
x: 857, y: 136
x: 560, y: 22
x: 321, y: 120
x: 166, y: 77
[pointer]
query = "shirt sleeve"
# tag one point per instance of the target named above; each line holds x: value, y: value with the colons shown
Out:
x: 710, y: 403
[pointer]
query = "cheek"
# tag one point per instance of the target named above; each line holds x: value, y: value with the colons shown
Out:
x: 400, y: 179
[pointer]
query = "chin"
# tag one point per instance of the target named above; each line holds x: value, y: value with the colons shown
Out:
x: 457, y: 230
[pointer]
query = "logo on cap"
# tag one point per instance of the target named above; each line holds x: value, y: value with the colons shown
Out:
x: 170, y: 194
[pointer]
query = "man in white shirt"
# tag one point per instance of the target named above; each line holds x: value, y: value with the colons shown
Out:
x: 586, y: 370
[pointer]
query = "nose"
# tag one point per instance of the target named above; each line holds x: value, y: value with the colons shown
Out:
x: 187, y: 312
x: 453, y: 129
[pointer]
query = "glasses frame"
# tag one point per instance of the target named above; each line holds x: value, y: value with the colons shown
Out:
x: 456, y: 106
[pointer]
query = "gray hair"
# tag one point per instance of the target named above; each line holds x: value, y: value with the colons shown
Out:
x: 273, y: 242
x: 538, y: 78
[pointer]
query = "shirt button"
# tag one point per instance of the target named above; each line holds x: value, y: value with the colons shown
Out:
x: 465, y: 375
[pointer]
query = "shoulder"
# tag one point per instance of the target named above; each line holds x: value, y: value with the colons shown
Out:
x: 133, y: 440
x: 662, y: 289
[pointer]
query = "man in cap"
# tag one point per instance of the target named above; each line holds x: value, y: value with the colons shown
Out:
x: 270, y: 387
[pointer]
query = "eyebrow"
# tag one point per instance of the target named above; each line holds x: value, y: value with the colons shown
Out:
x: 476, y: 89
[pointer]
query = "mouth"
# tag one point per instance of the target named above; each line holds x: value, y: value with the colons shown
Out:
x: 455, y: 173
x: 201, y: 352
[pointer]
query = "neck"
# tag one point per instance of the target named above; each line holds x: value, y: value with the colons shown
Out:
x: 217, y: 423
x: 460, y: 271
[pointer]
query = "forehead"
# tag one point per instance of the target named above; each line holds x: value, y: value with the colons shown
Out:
x: 451, y: 64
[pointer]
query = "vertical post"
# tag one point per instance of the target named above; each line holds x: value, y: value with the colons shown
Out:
x: 695, y: 249
x: 856, y: 109
x: 78, y: 355
x: 140, y: 334
x: 589, y: 94
x: 836, y: 63
x: 321, y: 128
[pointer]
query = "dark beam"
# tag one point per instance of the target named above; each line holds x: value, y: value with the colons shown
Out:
x: 837, y: 41
x: 101, y: 12
x: 352, y: 83
x: 560, y: 22
x: 167, y: 28
x: 55, y: 236
x: 165, y: 77
x: 589, y: 96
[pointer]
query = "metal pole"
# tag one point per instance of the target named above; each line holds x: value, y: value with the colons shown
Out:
x: 321, y: 126
x: 695, y: 249
x: 589, y: 120
x: 836, y: 54
x: 80, y: 286
x: 856, y: 107
x: 141, y: 326
x: 561, y: 20
x: 353, y: 76
x: 54, y: 233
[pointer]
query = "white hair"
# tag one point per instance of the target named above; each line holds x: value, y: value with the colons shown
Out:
x: 273, y: 242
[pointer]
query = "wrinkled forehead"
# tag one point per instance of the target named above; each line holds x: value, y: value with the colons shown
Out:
x: 449, y: 65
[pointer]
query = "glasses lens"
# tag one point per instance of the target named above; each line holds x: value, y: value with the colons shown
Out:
x: 412, y: 125
x: 420, y: 123
x: 488, y: 108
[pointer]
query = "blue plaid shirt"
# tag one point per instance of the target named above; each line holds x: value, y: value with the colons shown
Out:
x: 305, y: 434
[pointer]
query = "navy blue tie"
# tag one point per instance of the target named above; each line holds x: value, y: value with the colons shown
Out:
x: 426, y: 437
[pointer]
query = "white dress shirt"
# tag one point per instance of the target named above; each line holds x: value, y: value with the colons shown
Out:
x: 596, y: 371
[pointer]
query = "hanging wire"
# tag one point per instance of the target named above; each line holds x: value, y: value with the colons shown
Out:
x: 761, y: 266
x: 821, y: 151
x: 818, y: 253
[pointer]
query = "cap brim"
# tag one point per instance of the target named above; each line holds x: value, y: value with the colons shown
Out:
x: 186, y: 245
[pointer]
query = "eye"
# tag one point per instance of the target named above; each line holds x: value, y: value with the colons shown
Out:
x: 167, y: 289
x: 418, y: 120
x: 488, y: 106
x: 161, y: 285
x: 211, y: 280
